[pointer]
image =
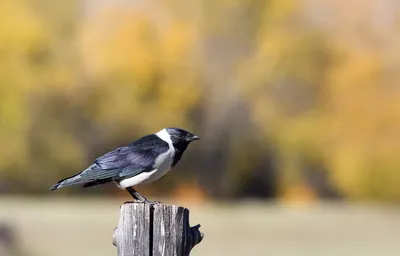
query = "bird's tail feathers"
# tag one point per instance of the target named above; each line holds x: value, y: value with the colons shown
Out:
x: 76, y: 179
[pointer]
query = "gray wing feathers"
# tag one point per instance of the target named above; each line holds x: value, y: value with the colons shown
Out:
x: 95, y: 175
x: 138, y: 155
x: 123, y: 162
x: 94, y: 172
x: 120, y: 159
x: 113, y: 159
x: 113, y: 166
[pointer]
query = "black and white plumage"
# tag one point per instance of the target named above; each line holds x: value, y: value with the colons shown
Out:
x: 143, y: 161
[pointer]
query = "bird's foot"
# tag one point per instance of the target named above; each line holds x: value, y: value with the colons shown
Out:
x: 147, y: 202
x: 139, y: 201
x: 150, y: 202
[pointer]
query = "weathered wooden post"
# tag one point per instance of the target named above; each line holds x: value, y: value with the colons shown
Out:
x: 155, y: 230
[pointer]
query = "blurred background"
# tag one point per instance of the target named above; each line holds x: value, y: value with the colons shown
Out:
x: 297, y: 103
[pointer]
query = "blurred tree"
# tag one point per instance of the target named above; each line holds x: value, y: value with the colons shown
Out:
x: 292, y: 98
x: 283, y: 79
x: 15, y: 52
x: 35, y: 64
x: 228, y: 32
x: 363, y: 110
x: 327, y: 100
x: 140, y: 63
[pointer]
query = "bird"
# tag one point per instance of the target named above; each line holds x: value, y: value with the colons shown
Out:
x: 140, y: 162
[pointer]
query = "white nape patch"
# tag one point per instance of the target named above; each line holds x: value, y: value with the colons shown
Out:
x: 164, y: 135
x: 162, y: 165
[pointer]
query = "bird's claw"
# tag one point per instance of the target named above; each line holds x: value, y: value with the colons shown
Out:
x: 148, y: 202
x: 151, y: 202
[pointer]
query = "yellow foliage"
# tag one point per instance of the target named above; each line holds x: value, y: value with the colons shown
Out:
x: 321, y: 91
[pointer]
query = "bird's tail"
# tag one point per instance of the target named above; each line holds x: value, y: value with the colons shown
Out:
x: 73, y: 180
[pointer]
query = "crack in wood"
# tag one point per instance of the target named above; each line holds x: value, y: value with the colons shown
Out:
x: 159, y: 230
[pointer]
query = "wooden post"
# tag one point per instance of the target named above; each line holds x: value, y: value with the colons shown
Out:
x: 155, y: 230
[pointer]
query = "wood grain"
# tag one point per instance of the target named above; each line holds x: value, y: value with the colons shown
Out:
x: 155, y: 230
x: 133, y: 232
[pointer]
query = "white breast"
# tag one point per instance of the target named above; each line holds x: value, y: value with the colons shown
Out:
x: 162, y: 165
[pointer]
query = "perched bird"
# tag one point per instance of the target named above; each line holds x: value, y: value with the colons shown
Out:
x: 143, y: 161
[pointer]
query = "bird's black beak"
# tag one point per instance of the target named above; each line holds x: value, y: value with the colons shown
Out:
x: 193, y: 137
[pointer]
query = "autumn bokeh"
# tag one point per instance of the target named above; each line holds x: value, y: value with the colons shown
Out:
x: 291, y: 98
x: 295, y: 101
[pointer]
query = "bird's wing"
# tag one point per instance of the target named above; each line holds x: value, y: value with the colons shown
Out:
x: 123, y: 157
x: 115, y: 166
x: 133, y: 159
x: 123, y: 162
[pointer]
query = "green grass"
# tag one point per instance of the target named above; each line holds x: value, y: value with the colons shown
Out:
x: 65, y: 226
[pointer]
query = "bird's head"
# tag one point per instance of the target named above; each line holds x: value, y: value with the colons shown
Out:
x: 180, y: 136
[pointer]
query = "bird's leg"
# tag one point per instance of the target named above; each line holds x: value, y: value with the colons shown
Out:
x: 138, y: 197
x: 135, y: 194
